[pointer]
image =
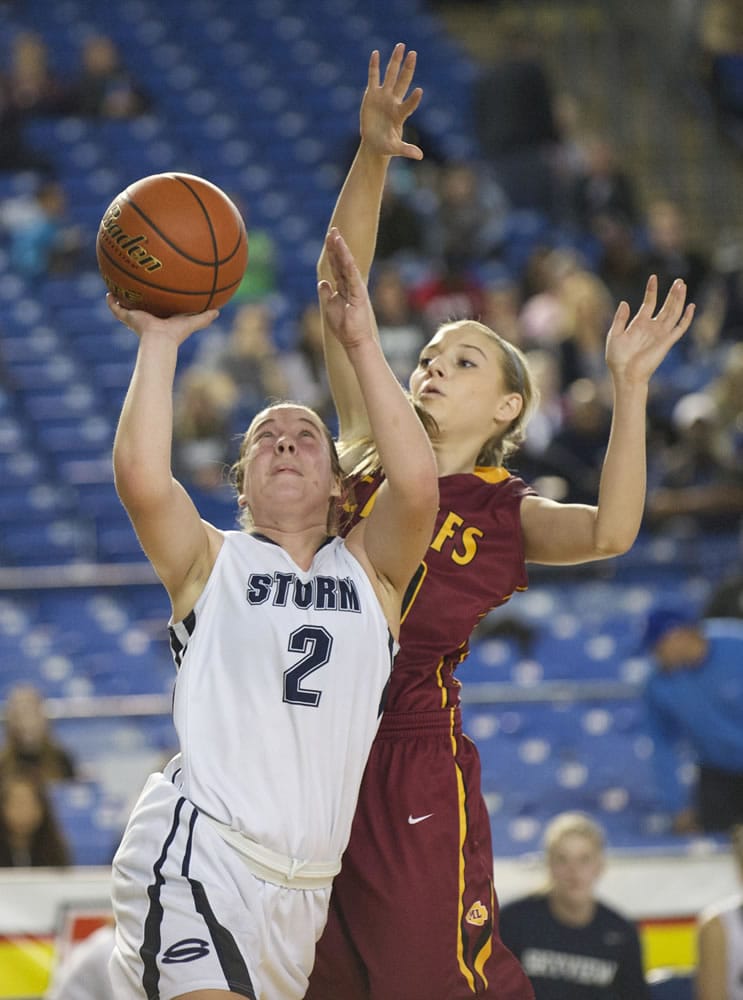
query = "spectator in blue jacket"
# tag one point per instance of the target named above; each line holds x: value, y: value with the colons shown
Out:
x: 695, y: 697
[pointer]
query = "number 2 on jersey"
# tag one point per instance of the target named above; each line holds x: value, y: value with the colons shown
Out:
x: 317, y: 644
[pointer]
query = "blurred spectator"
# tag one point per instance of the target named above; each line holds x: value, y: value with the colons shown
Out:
x: 42, y: 240
x: 260, y: 279
x: 546, y: 421
x: 469, y: 219
x: 719, y: 974
x: 694, y: 698
x: 570, y: 155
x: 450, y: 291
x: 726, y: 599
x: 502, y: 308
x: 401, y: 331
x: 586, y: 311
x: 541, y: 313
x: 204, y: 402
x: 83, y: 973
x: 30, y: 835
x: 104, y: 88
x: 400, y: 229
x: 34, y: 89
x: 670, y: 254
x: 571, y: 945
x: 573, y: 459
x: 722, y: 320
x: 251, y: 359
x: 621, y: 261
x: 721, y: 46
x: 15, y: 152
x: 303, y: 367
x: 698, y: 481
x: 726, y: 392
x: 515, y: 120
x: 603, y: 187
x: 29, y: 742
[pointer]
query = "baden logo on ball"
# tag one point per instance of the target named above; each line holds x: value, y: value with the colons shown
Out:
x: 172, y: 243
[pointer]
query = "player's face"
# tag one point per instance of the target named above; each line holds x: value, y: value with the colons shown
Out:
x: 287, y: 461
x: 459, y: 381
x: 575, y: 863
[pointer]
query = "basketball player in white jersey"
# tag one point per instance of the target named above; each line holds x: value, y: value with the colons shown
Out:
x: 283, y: 637
x: 719, y: 973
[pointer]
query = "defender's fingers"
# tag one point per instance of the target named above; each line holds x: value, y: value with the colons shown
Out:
x: 373, y: 75
x: 406, y: 74
x: 685, y: 322
x: 393, y: 66
x: 671, y: 310
x: 331, y: 249
x: 412, y: 101
x: 324, y: 292
x: 621, y: 318
x: 651, y: 296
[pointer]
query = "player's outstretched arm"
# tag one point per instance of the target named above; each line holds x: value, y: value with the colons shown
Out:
x: 167, y: 524
x: 572, y: 533
x: 386, y: 105
x: 397, y: 532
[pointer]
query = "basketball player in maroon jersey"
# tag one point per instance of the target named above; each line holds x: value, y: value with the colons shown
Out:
x: 414, y: 913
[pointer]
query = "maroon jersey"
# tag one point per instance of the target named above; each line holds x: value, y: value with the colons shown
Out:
x: 474, y: 563
x: 414, y: 911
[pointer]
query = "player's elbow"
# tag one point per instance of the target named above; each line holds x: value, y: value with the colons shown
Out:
x: 610, y: 544
x: 138, y: 487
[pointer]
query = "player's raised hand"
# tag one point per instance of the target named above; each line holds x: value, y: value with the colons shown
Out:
x: 387, y: 105
x: 179, y: 327
x: 347, y: 311
x: 634, y: 349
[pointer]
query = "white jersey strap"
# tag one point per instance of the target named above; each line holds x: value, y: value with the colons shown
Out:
x: 278, y: 869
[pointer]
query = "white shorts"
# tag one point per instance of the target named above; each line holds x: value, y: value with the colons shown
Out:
x: 190, y: 914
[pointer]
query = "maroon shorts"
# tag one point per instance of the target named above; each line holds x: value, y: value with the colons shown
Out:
x: 414, y: 914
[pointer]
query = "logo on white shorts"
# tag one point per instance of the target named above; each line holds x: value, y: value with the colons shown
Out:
x: 187, y: 950
x: 418, y: 819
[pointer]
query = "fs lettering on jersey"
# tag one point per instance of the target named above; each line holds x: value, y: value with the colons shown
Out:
x: 459, y: 539
x: 454, y: 537
x: 323, y: 593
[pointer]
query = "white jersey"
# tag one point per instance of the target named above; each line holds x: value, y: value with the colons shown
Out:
x: 281, y: 679
x: 730, y: 914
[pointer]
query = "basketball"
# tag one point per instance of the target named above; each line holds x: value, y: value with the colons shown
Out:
x: 172, y: 243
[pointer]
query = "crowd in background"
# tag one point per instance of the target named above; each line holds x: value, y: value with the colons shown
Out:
x: 540, y: 237
x: 451, y: 245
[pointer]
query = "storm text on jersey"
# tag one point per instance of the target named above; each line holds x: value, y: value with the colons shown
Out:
x: 324, y: 593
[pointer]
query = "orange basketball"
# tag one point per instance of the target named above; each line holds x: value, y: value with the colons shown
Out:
x: 172, y: 243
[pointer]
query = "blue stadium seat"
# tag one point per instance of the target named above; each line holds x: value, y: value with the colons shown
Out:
x: 245, y: 116
x: 90, y: 820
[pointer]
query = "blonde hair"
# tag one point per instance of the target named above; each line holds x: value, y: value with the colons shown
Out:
x: 361, y: 453
x: 573, y: 823
x: 237, y: 470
